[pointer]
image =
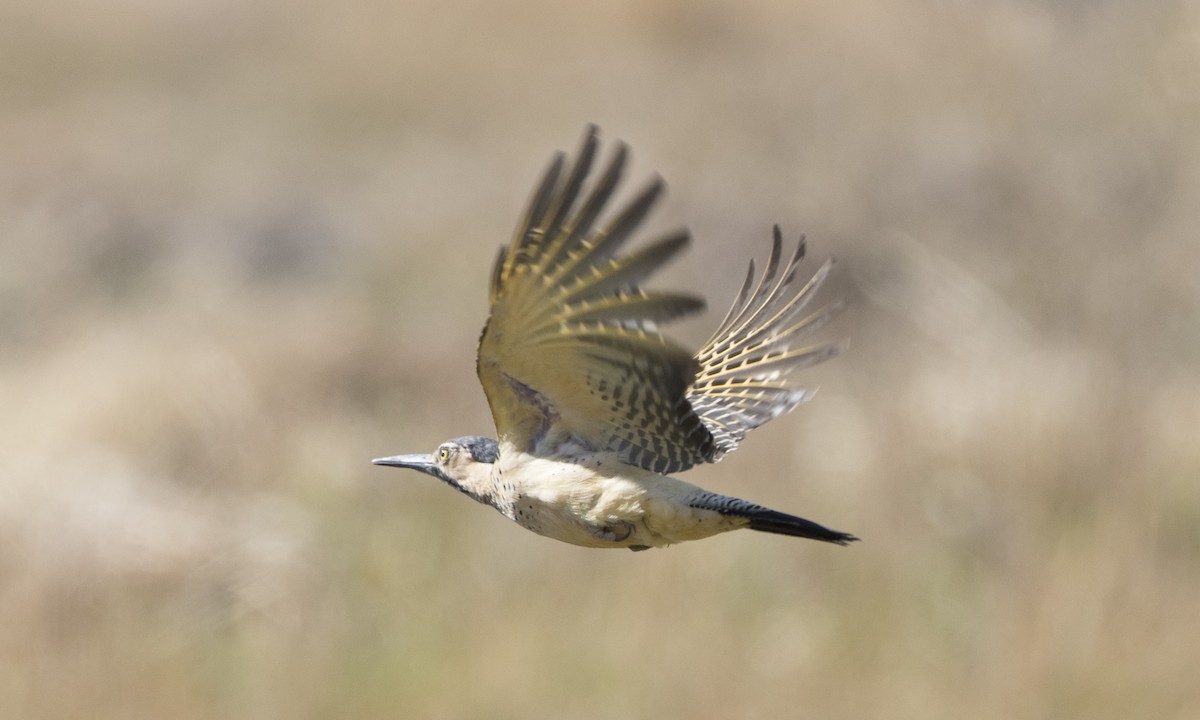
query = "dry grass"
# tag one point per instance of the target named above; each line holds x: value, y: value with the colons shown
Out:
x: 245, y: 249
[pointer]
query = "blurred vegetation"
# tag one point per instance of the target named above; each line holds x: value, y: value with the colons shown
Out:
x: 244, y: 248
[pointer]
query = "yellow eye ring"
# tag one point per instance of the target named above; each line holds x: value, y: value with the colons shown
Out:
x: 444, y: 454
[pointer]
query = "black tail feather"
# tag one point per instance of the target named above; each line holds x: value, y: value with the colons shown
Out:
x: 784, y: 524
x: 767, y: 520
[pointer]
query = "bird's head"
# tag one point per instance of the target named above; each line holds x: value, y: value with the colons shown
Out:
x: 464, y: 463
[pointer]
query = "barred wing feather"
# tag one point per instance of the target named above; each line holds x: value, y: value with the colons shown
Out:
x: 744, y: 367
x: 571, y: 351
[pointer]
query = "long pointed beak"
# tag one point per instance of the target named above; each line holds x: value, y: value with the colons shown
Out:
x: 424, y: 463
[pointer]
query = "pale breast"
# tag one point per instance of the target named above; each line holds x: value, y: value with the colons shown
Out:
x: 595, y: 501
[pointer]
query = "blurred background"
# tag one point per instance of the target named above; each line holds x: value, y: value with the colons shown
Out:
x: 244, y: 249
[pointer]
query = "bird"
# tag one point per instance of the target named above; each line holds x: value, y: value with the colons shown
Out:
x: 595, y: 409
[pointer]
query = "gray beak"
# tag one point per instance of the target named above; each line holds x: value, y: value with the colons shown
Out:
x: 424, y: 463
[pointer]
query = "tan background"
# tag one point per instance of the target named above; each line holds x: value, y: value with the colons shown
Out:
x: 244, y: 248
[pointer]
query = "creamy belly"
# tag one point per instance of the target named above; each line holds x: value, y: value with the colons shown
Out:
x: 595, y: 501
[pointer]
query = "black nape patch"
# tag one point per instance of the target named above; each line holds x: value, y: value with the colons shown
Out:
x: 482, y: 449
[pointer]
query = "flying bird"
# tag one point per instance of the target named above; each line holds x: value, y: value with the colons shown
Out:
x: 594, y: 408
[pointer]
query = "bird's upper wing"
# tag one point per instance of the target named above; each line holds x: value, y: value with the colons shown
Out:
x: 571, y: 351
x: 743, y: 378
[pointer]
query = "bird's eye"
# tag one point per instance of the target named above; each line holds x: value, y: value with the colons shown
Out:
x: 444, y: 454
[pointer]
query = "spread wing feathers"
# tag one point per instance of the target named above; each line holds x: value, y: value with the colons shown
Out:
x: 571, y: 351
x: 743, y: 379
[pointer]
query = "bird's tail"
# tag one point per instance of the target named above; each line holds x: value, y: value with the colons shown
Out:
x: 767, y: 520
x: 773, y: 521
